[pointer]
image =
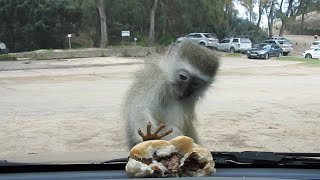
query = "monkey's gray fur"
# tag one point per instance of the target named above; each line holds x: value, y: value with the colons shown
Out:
x: 167, y: 89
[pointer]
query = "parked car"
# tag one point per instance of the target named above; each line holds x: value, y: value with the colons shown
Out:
x: 3, y: 48
x: 235, y: 45
x: 264, y: 51
x: 205, y: 39
x: 312, y: 53
x: 285, y: 45
x: 315, y: 44
x: 279, y: 38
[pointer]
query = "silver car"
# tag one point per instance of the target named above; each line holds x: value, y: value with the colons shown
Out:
x: 285, y: 45
x: 235, y: 45
x: 205, y: 39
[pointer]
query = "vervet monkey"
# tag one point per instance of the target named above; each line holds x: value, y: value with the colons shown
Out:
x: 166, y: 91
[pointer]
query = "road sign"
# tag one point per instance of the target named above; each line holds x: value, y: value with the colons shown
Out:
x: 125, y: 33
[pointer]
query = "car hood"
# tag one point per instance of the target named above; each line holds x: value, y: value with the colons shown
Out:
x: 309, y: 51
x: 66, y: 158
x: 258, y: 49
x: 180, y: 38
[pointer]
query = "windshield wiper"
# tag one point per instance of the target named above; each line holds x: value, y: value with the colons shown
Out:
x: 267, y: 158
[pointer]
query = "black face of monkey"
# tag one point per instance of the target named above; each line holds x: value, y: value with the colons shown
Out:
x: 186, y: 85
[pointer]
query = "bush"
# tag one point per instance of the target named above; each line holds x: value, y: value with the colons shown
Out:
x: 244, y: 28
x: 7, y: 57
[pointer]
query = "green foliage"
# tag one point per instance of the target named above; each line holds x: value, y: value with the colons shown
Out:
x: 7, y: 57
x: 244, y: 28
x: 304, y: 61
x: 43, y: 24
x: 33, y: 24
x: 233, y: 55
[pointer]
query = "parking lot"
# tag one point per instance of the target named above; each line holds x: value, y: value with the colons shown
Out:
x: 74, y: 106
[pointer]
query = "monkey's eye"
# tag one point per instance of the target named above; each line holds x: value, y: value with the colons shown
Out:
x: 183, y: 77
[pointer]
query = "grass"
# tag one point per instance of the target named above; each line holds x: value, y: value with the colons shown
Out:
x: 233, y: 55
x: 7, y: 57
x: 305, y: 61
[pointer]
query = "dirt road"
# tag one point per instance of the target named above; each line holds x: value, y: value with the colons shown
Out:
x: 74, y: 106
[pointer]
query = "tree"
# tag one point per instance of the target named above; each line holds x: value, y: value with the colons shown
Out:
x: 28, y: 25
x: 103, y: 23
x: 269, y: 7
x: 261, y: 3
x: 248, y: 5
x: 153, y: 8
x: 294, y: 8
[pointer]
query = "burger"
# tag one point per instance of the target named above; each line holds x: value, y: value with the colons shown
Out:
x: 179, y: 157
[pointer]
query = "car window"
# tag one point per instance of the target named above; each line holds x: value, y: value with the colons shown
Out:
x: 197, y: 36
x: 267, y: 46
x: 67, y: 69
x: 225, y: 41
x: 245, y: 40
x: 210, y: 36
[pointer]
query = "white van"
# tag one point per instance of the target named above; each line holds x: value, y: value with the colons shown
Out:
x: 235, y: 45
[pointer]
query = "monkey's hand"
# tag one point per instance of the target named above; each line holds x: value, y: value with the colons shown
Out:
x: 155, y: 135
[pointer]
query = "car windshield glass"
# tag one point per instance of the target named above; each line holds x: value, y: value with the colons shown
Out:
x: 225, y: 41
x: 263, y: 46
x: 245, y: 40
x: 84, y: 76
x: 209, y: 35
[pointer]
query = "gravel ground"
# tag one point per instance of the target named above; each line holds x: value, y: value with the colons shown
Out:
x: 74, y: 106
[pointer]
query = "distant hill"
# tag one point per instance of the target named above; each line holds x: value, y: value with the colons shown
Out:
x: 310, y: 26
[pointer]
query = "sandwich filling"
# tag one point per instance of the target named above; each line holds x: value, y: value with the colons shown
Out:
x: 172, y: 164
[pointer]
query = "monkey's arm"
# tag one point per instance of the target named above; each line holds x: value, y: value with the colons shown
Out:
x: 155, y: 135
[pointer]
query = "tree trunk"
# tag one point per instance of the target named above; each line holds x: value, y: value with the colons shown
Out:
x: 260, y: 13
x: 165, y: 16
x: 103, y: 23
x: 282, y: 28
x: 151, y: 29
x: 271, y: 18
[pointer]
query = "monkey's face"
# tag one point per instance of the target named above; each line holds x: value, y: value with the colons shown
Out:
x: 187, y: 85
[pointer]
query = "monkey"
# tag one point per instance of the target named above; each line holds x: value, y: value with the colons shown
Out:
x: 165, y: 92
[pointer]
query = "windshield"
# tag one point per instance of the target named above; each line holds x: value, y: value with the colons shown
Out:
x: 244, y: 40
x: 315, y: 43
x: 74, y: 77
x: 264, y: 46
x: 210, y: 35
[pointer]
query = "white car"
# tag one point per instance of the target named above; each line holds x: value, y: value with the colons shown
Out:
x: 205, y: 39
x: 315, y: 44
x: 235, y: 45
x: 312, y: 53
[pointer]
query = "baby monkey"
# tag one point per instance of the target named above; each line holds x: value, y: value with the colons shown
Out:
x: 165, y: 92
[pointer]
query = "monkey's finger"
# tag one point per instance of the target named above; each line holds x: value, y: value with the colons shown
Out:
x: 166, y: 133
x: 140, y: 133
x: 160, y: 127
x: 149, y: 128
